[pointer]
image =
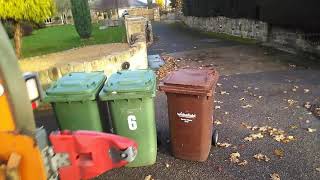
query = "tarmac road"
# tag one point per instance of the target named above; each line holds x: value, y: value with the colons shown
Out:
x: 268, y: 76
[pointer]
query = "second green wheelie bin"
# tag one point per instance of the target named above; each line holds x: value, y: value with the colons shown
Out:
x: 74, y: 99
x: 130, y: 96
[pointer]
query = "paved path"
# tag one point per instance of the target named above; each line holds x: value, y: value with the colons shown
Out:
x: 171, y: 38
x: 247, y: 72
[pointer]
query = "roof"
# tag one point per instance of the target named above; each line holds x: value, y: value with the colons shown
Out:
x: 113, y: 4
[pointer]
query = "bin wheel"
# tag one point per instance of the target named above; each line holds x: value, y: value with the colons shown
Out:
x: 125, y: 66
x: 215, y: 137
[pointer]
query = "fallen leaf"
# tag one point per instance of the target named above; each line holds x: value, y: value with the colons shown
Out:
x: 274, y: 176
x: 234, y: 157
x: 243, y: 163
x: 291, y: 102
x: 279, y: 153
x: 149, y: 177
x: 293, y: 127
x: 261, y: 157
x: 312, y: 130
x: 224, y: 92
x: 247, y: 106
x: 307, y: 105
x: 279, y: 138
x: 290, y: 137
x: 263, y: 128
x: 306, y: 90
x: 246, y: 125
x: 224, y: 145
x: 217, y: 122
x: 253, y: 137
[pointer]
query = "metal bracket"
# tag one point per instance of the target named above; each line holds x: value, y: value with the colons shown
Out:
x: 127, y: 155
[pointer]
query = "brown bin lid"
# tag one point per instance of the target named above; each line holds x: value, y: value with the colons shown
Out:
x: 190, y: 81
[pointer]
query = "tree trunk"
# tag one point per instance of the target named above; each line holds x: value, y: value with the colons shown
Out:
x: 17, y: 38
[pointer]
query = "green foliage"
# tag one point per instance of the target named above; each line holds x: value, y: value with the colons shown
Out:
x: 29, y: 10
x: 82, y: 17
x: 160, y: 3
x: 59, y: 38
x: 8, y: 26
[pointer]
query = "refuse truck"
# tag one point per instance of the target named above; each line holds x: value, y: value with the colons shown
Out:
x: 27, y: 153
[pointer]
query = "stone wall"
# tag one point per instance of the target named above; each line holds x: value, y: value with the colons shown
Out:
x: 134, y: 25
x: 136, y: 56
x: 280, y: 38
x: 237, y: 27
x: 150, y: 14
x: 290, y: 41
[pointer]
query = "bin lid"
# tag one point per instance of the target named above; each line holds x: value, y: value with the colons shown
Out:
x: 78, y: 86
x: 191, y: 81
x: 129, y: 84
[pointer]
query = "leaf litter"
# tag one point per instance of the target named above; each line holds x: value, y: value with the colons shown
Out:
x: 279, y: 153
x: 224, y: 145
x: 277, y: 134
x: 261, y: 157
x: 235, y: 159
x: 311, y: 130
x: 217, y: 122
x: 275, y: 176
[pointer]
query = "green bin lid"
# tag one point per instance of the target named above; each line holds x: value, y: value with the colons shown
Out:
x: 129, y: 84
x: 78, y: 86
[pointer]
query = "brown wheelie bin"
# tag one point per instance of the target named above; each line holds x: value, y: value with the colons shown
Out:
x: 190, y: 94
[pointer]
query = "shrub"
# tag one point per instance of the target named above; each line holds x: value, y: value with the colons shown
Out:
x: 57, y: 18
x: 27, y: 28
x: 8, y: 26
x: 82, y: 17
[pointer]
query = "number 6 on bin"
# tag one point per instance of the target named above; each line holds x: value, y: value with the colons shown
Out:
x: 132, y: 122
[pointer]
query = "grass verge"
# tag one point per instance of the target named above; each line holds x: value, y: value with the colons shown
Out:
x: 59, y: 38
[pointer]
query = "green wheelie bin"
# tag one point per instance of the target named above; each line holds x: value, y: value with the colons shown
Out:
x: 75, y: 103
x: 130, y: 96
